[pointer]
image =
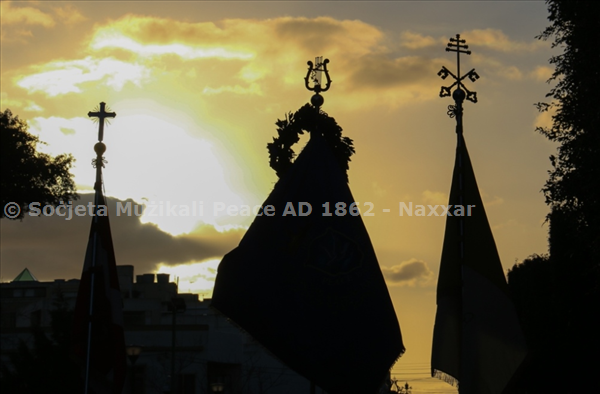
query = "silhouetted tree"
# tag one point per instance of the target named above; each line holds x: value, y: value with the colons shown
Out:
x: 558, y: 296
x: 533, y: 287
x: 571, y: 191
x: 27, y: 175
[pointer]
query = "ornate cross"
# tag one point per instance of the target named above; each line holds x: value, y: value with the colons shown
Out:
x: 101, y: 115
x: 457, y: 45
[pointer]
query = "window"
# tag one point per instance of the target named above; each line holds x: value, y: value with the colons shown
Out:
x: 9, y: 320
x: 35, y: 318
x: 186, y: 384
x: 137, y: 379
x: 134, y: 318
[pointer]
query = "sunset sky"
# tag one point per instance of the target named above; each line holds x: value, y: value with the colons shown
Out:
x: 198, y: 87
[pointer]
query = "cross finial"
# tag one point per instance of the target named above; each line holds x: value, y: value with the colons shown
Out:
x: 459, y: 46
x: 314, y: 74
x: 101, y: 115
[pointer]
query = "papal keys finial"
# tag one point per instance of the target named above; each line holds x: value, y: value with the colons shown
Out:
x: 461, y: 92
x: 314, y: 75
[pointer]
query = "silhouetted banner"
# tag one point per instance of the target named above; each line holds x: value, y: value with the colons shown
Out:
x: 107, y: 353
x: 477, y: 340
x: 309, y: 288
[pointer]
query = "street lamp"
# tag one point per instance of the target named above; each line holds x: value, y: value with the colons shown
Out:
x: 133, y: 352
x: 406, y: 389
x: 177, y: 304
x: 217, y: 387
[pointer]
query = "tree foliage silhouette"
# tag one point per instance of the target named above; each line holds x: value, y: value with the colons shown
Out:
x: 571, y: 190
x: 27, y: 175
x: 558, y: 296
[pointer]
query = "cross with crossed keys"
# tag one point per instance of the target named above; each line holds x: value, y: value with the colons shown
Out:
x: 101, y: 115
x: 457, y: 45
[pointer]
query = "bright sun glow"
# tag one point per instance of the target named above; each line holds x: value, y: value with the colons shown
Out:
x: 176, y: 169
x: 185, y: 51
x: 197, y: 278
x: 56, y: 78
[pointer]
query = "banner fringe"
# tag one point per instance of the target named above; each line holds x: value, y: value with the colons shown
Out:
x: 436, y: 373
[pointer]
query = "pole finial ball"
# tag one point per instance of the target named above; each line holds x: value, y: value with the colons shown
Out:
x: 459, y: 95
x: 100, y: 148
x: 317, y: 100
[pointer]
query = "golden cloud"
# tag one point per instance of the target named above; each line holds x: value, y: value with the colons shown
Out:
x: 498, y: 41
x: 271, y: 54
x: 69, y: 15
x: 490, y: 38
x: 496, y: 67
x: 184, y: 51
x: 26, y: 105
x: 542, y: 73
x: 408, y: 272
x: 24, y: 15
x: 380, y: 70
x: 263, y: 35
x: 62, y: 77
x: 253, y: 89
x: 259, y: 57
x: 12, y: 20
x: 412, y: 40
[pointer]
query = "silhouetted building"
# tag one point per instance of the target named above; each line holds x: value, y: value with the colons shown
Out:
x: 209, y: 351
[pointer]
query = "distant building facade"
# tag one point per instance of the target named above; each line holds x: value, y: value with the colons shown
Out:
x: 209, y: 353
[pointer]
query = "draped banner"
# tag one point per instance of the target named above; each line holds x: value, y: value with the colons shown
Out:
x: 306, y: 284
x: 477, y: 340
x: 107, y: 351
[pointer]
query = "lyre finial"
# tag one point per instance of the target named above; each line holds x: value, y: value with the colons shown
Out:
x: 314, y: 75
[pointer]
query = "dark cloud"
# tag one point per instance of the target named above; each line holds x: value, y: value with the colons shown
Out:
x: 408, y: 273
x: 52, y: 247
x: 380, y: 71
x: 309, y: 34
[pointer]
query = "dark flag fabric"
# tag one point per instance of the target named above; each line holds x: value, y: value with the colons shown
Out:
x: 477, y: 340
x: 306, y: 284
x: 107, y: 352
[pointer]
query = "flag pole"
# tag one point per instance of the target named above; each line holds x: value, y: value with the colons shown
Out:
x: 99, y: 148
x: 314, y: 74
x: 477, y: 341
x: 98, y: 163
x: 459, y: 95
